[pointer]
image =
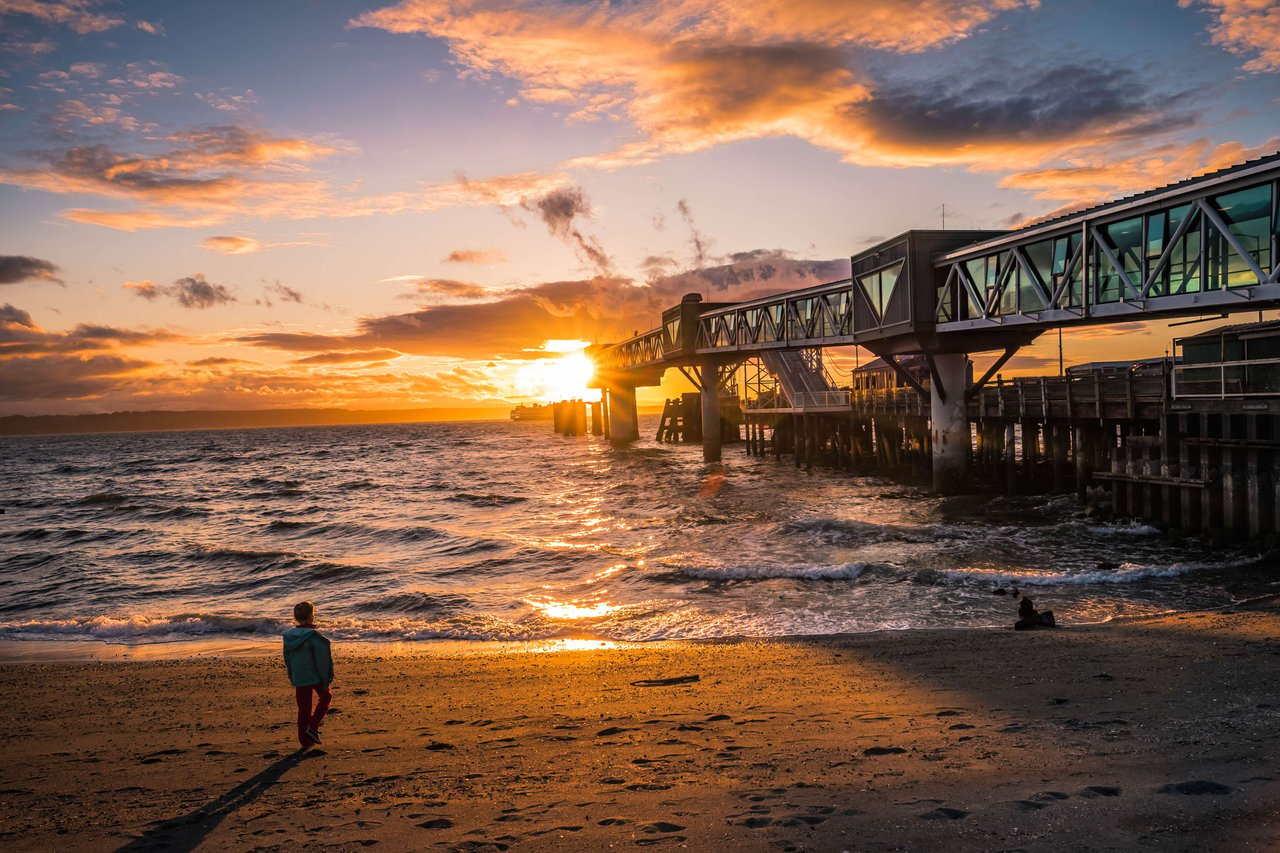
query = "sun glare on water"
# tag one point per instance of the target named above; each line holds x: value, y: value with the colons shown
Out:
x: 564, y: 377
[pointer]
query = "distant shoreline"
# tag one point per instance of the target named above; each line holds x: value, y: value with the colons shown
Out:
x: 162, y: 421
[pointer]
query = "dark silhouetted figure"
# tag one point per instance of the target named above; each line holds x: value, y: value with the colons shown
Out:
x: 1029, y: 617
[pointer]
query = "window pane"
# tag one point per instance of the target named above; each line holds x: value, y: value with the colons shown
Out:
x: 1247, y: 214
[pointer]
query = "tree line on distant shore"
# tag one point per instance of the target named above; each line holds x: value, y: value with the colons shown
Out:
x: 152, y: 421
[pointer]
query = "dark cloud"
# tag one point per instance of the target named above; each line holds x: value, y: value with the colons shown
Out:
x: 695, y: 236
x: 55, y: 377
x: 192, y: 291
x: 1044, y: 104
x: 20, y: 335
x: 275, y: 291
x: 217, y: 361
x: 752, y: 274
x: 195, y: 292
x: 294, y: 341
x: 514, y: 323
x: 16, y: 268
x: 558, y: 210
x: 9, y: 315
x: 125, y: 337
x: 346, y: 357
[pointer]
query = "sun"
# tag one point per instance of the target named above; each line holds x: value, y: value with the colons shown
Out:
x: 562, y: 378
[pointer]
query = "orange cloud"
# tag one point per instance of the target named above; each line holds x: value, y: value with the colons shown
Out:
x: 207, y: 176
x: 693, y: 74
x: 1086, y: 181
x: 349, y: 357
x: 232, y: 245
x: 515, y: 323
x: 475, y: 256
x: 1245, y: 28
x: 76, y: 14
x: 219, y: 168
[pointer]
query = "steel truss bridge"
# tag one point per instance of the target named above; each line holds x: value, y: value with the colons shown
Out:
x: 1204, y: 245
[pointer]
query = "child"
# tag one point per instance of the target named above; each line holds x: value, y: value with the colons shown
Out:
x: 310, y: 666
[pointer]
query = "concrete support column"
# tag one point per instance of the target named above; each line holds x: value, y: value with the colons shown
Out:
x: 951, y: 441
x: 624, y: 420
x: 710, y: 412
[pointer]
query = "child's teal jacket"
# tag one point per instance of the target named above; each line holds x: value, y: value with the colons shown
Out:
x: 307, y: 657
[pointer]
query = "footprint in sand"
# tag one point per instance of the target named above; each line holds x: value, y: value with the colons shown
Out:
x: 1100, y: 791
x: 1020, y: 805
x: 437, y: 823
x: 156, y: 757
x: 799, y: 820
x: 944, y: 813
x: 1195, y: 788
x: 883, y: 750
x: 612, y: 821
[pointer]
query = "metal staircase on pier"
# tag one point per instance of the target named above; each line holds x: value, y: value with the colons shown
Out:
x: 803, y: 381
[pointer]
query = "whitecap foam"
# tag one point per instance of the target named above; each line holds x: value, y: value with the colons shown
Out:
x: 141, y: 627
x: 764, y: 571
x: 1125, y: 574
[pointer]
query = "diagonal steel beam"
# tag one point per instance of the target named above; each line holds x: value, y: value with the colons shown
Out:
x: 1163, y: 261
x: 690, y: 376
x: 1212, y: 215
x: 1002, y: 281
x: 971, y: 287
x: 1064, y: 280
x: 1115, y: 262
x: 933, y: 375
x: 972, y: 390
x: 904, y: 375
x: 945, y: 291
x: 1031, y: 272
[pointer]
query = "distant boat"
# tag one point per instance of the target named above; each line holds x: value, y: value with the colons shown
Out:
x: 533, y: 412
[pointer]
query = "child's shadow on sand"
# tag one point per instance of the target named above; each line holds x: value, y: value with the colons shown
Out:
x: 185, y: 833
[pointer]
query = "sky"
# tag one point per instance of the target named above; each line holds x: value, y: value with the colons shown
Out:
x: 246, y: 205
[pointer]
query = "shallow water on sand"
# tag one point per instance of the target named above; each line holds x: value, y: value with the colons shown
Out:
x: 503, y: 531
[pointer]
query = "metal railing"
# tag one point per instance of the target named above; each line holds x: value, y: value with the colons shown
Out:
x: 821, y: 400
x: 1253, y: 378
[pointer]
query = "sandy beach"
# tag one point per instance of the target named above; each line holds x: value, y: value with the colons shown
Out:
x: 1157, y: 734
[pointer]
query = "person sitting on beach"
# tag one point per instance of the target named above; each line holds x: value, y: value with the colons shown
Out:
x: 310, y: 665
x: 1029, y: 617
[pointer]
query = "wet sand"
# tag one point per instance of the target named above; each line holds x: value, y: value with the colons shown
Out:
x: 1149, y: 735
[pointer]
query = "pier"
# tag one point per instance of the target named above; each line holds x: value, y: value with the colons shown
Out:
x: 1191, y: 442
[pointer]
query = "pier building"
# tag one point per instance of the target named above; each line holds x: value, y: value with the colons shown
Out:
x: 924, y: 301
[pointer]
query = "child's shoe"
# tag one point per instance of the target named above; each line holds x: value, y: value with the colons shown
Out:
x: 314, y: 735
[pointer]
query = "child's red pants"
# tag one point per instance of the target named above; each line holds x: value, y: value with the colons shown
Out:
x: 307, y: 718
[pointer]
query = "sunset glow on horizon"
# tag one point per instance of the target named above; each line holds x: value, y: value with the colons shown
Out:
x: 437, y: 203
x: 562, y: 378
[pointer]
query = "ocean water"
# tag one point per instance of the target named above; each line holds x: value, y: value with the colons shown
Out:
x: 504, y: 531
